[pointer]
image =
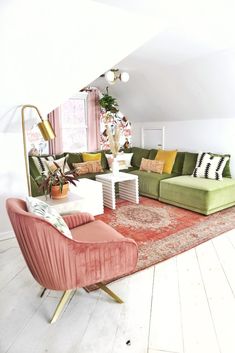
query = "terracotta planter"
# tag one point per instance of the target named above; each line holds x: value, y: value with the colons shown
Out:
x: 57, y: 194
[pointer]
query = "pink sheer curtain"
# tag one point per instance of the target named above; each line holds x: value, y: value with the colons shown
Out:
x: 93, y: 120
x: 55, y: 145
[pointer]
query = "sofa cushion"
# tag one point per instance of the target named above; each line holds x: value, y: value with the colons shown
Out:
x: 61, y: 162
x: 87, y: 157
x: 87, y: 167
x: 34, y: 173
x: 152, y: 153
x: 201, y: 195
x: 179, y: 162
x: 151, y: 165
x: 190, y: 161
x: 104, y: 162
x: 74, y: 158
x: 92, y: 175
x: 124, y: 160
x: 168, y: 157
x: 138, y: 154
x: 131, y: 169
x: 209, y: 166
x: 48, y: 213
x: 149, y: 182
x: 226, y: 171
x: 39, y: 164
x: 95, y: 232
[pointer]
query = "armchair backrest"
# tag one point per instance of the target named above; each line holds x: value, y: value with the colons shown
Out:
x: 45, y: 249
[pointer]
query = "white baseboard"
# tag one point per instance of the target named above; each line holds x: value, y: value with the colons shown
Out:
x: 7, y: 235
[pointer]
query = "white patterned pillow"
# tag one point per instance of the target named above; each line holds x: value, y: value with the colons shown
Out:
x: 46, y: 164
x: 127, y: 158
x: 124, y: 160
x: 49, y: 213
x: 209, y: 166
x: 61, y: 162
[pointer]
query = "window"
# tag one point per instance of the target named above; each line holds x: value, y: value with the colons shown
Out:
x: 73, y: 115
x: 37, y: 145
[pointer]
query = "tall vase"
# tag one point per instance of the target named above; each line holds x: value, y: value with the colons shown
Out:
x: 115, y: 166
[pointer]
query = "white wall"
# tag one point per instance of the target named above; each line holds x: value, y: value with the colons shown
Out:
x: 49, y: 51
x: 212, y: 135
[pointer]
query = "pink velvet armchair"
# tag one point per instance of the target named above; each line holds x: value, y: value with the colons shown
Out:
x: 96, y: 253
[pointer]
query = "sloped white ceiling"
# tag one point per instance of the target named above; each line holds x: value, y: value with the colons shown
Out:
x: 52, y: 49
x: 188, y: 70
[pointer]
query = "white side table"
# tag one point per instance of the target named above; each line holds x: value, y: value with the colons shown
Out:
x: 87, y: 196
x: 128, y: 188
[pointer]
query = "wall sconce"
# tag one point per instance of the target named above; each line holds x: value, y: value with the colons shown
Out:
x: 114, y: 74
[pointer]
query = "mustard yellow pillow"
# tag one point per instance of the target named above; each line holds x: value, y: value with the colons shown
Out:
x: 168, y: 157
x: 87, y: 157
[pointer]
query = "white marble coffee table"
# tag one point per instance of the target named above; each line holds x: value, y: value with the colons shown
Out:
x: 87, y: 196
x: 128, y: 188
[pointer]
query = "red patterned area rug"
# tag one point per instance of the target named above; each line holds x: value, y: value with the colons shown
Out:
x: 162, y: 231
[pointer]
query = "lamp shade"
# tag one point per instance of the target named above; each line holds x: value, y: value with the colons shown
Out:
x: 46, y: 130
x: 110, y: 76
x: 124, y: 77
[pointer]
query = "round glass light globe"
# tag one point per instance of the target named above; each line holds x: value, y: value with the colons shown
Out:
x: 125, y: 76
x: 110, y: 76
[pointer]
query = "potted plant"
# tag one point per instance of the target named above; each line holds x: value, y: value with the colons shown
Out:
x: 108, y: 103
x: 56, y: 182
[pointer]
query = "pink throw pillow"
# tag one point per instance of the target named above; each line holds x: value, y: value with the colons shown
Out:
x: 88, y: 167
x: 150, y: 165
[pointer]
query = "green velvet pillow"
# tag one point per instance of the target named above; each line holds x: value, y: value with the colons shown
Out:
x: 33, y: 169
x: 61, y: 155
x: 35, y: 188
x: 190, y: 160
x: 74, y: 158
x: 152, y: 154
x: 139, y: 153
x: 179, y: 162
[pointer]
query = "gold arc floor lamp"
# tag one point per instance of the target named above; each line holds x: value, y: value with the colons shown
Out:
x: 47, y: 134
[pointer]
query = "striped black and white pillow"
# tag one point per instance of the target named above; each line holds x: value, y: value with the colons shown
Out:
x: 41, y: 163
x: 209, y: 166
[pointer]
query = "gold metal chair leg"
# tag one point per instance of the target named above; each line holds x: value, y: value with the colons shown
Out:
x: 109, y: 292
x: 61, y: 305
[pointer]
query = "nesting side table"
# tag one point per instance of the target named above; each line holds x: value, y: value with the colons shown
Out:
x: 128, y: 188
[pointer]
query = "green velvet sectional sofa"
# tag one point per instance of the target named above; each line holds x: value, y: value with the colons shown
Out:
x: 179, y: 188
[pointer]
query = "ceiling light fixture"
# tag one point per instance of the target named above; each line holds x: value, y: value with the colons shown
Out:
x: 113, y: 75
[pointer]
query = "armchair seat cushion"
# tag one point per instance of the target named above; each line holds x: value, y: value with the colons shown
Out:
x: 96, y: 232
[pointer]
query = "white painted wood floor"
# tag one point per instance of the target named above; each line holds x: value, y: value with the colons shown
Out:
x: 183, y: 305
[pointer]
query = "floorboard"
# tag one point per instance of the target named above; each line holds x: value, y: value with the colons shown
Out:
x: 198, y: 329
x: 226, y: 255
x: 11, y: 261
x: 183, y: 305
x: 219, y: 295
x: 166, y: 331
x: 133, y: 327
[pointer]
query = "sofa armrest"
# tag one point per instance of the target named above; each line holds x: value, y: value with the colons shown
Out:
x: 76, y: 219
